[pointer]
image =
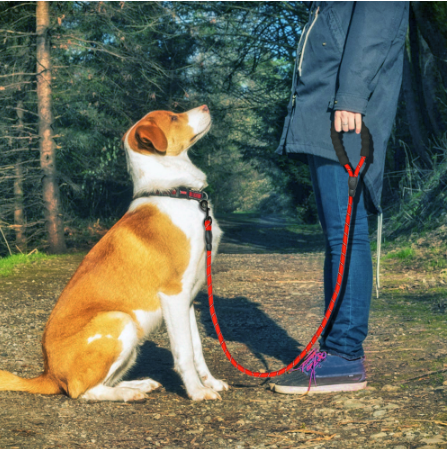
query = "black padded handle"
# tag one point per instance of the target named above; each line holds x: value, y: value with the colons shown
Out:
x: 338, y: 146
x: 337, y: 141
x: 366, y: 141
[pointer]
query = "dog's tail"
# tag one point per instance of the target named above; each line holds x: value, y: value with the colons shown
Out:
x: 42, y: 384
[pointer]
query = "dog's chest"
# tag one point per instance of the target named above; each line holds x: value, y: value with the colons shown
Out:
x: 188, y: 218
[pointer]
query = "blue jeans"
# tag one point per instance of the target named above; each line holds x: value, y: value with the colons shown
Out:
x: 348, y: 326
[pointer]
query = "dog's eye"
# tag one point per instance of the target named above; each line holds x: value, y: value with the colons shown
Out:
x: 174, y: 118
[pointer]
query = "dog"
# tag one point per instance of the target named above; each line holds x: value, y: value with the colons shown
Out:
x: 150, y: 265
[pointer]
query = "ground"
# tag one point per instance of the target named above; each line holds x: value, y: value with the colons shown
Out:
x: 268, y: 290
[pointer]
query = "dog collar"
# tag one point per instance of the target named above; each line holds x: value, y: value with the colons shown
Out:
x: 179, y: 192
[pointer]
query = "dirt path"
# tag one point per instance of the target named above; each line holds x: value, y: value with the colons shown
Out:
x: 268, y: 299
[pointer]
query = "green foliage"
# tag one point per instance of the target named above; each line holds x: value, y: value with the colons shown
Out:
x: 423, y: 195
x: 115, y: 61
x: 244, y: 65
x: 402, y: 254
x: 7, y: 264
x: 122, y: 60
x: 437, y: 11
x: 18, y: 132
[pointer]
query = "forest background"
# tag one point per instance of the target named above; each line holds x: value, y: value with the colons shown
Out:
x: 74, y: 76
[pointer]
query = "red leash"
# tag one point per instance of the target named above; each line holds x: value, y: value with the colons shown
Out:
x: 353, y: 180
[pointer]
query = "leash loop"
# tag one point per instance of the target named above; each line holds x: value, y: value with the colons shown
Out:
x: 352, y: 185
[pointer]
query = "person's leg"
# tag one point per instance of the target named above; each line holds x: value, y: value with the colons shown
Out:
x: 340, y: 366
x: 349, y: 326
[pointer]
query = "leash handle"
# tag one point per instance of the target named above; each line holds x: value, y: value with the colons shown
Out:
x: 337, y: 141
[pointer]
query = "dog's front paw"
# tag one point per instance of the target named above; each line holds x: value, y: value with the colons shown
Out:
x: 215, y: 384
x: 204, y: 393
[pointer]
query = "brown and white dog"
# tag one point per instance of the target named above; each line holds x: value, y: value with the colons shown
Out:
x: 150, y: 265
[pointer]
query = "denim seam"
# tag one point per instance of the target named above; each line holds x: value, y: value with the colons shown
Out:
x: 346, y: 292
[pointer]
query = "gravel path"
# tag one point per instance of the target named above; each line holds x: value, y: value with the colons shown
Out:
x: 268, y: 301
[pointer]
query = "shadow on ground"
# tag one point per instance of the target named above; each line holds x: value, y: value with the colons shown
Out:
x: 242, y: 321
x: 158, y: 364
x: 261, y: 335
x: 257, y: 235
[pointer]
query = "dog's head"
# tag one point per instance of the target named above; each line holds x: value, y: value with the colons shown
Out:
x: 156, y: 150
x: 167, y: 133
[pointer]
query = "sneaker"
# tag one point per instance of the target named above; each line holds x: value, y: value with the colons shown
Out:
x: 323, y: 373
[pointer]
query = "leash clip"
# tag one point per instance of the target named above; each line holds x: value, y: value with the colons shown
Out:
x: 204, y: 206
x: 207, y: 222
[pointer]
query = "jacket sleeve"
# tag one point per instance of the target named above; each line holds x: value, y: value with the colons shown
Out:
x: 374, y: 27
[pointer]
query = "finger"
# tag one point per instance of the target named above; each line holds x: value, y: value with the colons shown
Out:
x: 337, y: 121
x: 345, y: 121
x: 358, y: 123
x: 351, y: 121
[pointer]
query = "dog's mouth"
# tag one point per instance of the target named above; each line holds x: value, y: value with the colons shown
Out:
x: 200, y: 134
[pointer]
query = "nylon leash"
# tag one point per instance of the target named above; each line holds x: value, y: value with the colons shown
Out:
x: 352, y: 184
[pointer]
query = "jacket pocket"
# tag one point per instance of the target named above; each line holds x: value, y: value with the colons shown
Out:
x: 336, y: 30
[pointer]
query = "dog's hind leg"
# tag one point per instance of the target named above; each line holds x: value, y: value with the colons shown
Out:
x: 144, y: 385
x: 104, y: 393
x: 107, y: 349
x: 177, y: 316
x: 147, y: 322
x: 199, y: 361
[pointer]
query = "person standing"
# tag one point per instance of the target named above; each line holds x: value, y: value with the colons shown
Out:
x: 348, y: 72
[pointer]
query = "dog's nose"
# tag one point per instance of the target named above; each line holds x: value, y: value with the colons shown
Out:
x: 205, y: 108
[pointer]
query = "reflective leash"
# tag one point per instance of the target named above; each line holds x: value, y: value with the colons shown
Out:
x: 352, y: 183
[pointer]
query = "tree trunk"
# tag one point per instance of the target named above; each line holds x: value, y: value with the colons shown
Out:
x: 19, y: 221
x: 51, y: 199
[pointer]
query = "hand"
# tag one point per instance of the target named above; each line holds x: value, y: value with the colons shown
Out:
x: 347, y: 121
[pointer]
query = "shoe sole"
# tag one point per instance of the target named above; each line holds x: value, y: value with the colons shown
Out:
x: 285, y: 389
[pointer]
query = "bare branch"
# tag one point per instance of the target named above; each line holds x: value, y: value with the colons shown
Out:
x: 18, y: 74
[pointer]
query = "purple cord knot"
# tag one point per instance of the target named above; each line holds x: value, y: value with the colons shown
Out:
x: 311, y: 363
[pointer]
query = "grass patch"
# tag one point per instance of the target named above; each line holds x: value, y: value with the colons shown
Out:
x: 7, y: 264
x: 402, y: 254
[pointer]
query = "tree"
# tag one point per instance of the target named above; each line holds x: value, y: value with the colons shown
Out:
x: 51, y: 198
x: 20, y: 212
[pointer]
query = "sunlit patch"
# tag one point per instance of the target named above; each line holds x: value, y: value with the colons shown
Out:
x: 148, y: 320
x: 95, y: 337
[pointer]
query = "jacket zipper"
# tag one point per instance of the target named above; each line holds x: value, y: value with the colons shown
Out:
x: 292, y: 112
x: 305, y: 40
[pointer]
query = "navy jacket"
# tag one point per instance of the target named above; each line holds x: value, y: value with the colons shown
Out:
x: 350, y: 57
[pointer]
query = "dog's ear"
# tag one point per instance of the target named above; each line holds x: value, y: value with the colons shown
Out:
x: 150, y: 137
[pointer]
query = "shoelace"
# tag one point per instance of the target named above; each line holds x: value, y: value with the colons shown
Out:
x: 311, y: 363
